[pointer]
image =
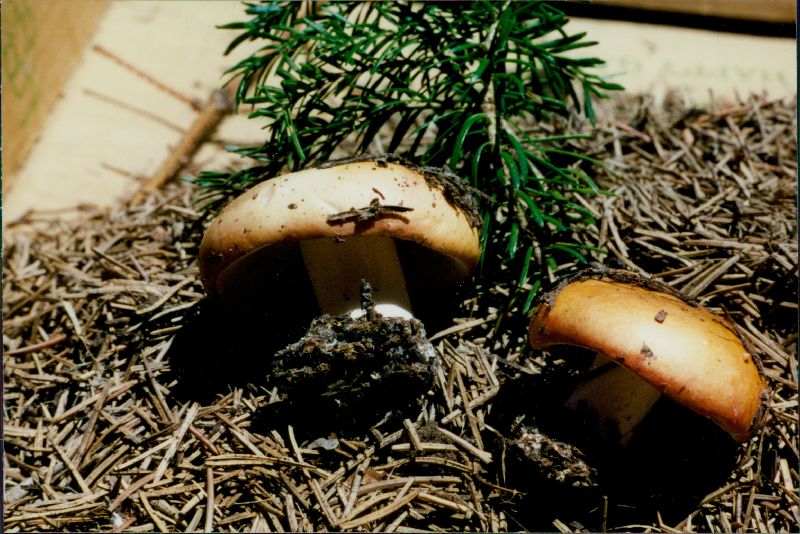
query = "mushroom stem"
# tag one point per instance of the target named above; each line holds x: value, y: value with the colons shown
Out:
x: 616, y: 397
x: 337, y: 267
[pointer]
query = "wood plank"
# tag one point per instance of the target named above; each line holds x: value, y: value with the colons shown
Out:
x: 692, y: 63
x: 761, y: 10
x: 43, y: 40
x: 113, y: 128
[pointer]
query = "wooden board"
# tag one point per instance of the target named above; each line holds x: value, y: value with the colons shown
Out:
x: 112, y: 128
x: 761, y: 10
x: 42, y: 42
x: 694, y: 64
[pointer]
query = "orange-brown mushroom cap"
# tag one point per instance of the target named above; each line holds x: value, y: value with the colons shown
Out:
x: 686, y: 352
x: 315, y: 203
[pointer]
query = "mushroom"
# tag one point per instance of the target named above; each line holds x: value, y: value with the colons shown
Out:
x: 376, y: 218
x: 662, y: 345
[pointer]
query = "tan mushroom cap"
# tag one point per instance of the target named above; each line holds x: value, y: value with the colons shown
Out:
x: 686, y: 352
x: 299, y: 206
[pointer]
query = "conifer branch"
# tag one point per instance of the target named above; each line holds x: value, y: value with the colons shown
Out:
x: 476, y: 87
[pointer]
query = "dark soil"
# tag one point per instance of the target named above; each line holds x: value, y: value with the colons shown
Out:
x: 346, y: 375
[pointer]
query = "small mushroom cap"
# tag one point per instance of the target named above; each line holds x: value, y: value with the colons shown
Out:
x: 314, y: 203
x: 686, y: 352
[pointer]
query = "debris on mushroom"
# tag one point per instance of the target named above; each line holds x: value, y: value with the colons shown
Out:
x: 651, y: 341
x: 376, y: 218
x: 553, y: 459
x: 347, y: 373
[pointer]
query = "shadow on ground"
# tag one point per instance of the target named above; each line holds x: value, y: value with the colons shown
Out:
x: 334, y: 375
x: 674, y: 459
x: 218, y: 349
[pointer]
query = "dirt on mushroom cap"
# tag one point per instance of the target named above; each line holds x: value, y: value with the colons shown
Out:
x: 263, y: 216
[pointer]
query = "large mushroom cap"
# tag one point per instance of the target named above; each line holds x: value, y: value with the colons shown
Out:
x: 436, y: 232
x: 686, y: 352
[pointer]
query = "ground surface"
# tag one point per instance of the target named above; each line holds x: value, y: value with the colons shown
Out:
x: 128, y: 407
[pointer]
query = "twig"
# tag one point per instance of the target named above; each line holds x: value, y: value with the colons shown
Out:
x: 209, y: 525
x: 52, y: 342
x: 191, y: 102
x: 379, y: 514
x: 176, y: 440
x: 203, y: 439
x: 218, y: 106
x: 164, y: 298
x: 71, y: 467
x: 130, y: 490
x: 483, y: 456
x: 87, y: 436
